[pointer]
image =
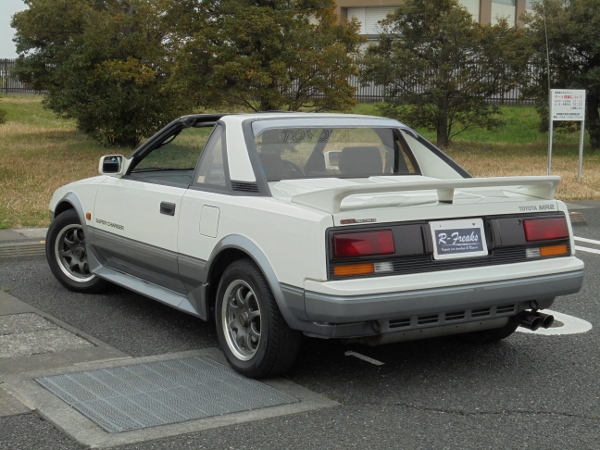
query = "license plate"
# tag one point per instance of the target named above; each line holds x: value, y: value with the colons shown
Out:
x: 462, y: 238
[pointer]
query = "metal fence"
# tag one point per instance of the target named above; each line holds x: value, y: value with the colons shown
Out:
x: 366, y: 93
x: 508, y: 95
x: 9, y: 82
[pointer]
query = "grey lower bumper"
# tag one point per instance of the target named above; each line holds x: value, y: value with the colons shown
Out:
x: 332, y: 316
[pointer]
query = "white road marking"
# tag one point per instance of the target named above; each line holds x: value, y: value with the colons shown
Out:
x: 571, y: 325
x: 589, y: 241
x: 585, y: 249
x: 364, y: 358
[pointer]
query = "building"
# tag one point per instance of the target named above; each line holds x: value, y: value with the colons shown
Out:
x: 370, y: 12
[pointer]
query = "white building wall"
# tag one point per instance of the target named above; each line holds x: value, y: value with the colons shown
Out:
x: 504, y: 9
x: 369, y: 18
x: 473, y: 7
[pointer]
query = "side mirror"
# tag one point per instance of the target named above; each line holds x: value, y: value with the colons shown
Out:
x: 111, y: 165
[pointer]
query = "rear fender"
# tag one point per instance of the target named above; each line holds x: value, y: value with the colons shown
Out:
x: 291, y: 307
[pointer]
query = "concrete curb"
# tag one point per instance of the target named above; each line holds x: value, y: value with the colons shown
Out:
x: 577, y: 219
x: 22, y: 244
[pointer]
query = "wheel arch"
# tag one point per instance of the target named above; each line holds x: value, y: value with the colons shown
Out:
x: 71, y: 201
x: 235, y: 247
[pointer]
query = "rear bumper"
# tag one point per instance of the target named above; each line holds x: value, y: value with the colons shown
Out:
x: 329, y: 315
x: 328, y: 308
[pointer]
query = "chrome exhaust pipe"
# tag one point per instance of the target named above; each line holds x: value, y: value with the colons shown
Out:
x: 547, y: 319
x: 530, y: 320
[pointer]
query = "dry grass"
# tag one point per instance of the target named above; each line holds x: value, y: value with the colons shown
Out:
x: 41, y: 152
x: 39, y: 163
x: 495, y: 160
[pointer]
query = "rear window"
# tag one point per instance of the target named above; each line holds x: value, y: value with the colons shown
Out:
x: 309, y: 152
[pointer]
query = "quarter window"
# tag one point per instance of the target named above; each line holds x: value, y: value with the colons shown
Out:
x: 211, y: 171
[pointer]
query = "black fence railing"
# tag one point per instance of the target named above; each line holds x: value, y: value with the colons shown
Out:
x: 367, y: 93
x: 9, y: 82
x: 506, y: 93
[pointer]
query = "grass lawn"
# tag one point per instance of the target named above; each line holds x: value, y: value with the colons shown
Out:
x: 40, y: 152
x: 520, y: 149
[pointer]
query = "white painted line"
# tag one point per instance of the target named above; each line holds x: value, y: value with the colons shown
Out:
x: 571, y: 325
x: 364, y: 358
x: 589, y: 241
x: 585, y: 249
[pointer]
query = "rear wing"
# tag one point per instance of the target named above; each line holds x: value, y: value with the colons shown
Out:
x: 330, y: 200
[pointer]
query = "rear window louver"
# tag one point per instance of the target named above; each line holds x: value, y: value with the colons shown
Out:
x: 241, y: 186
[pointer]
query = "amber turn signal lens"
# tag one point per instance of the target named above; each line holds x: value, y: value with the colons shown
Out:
x: 353, y: 269
x: 554, y: 250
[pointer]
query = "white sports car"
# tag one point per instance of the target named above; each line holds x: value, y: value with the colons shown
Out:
x: 279, y: 225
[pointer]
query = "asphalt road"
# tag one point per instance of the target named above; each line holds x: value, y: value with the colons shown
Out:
x: 529, y: 391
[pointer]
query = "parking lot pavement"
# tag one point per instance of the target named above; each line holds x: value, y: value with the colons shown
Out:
x: 422, y: 395
x: 100, y: 396
x: 33, y: 340
x: 30, y: 340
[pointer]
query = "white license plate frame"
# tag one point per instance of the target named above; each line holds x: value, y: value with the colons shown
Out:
x: 459, y: 238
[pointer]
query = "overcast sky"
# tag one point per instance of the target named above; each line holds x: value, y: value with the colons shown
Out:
x: 8, y: 8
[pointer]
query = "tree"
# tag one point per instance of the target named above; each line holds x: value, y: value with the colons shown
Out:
x: 102, y: 62
x: 265, y: 54
x: 439, y: 66
x: 568, y: 32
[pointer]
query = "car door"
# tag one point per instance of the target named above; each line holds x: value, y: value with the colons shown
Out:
x: 201, y: 211
x: 136, y: 217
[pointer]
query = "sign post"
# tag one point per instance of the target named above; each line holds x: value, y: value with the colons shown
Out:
x: 567, y: 105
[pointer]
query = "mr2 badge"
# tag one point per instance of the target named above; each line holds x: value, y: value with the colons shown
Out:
x: 458, y: 239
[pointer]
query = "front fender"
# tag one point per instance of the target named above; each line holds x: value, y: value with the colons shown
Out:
x: 70, y: 200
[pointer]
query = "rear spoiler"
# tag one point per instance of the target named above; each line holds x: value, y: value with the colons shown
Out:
x: 330, y: 200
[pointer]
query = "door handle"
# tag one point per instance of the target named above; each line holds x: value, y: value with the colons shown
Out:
x: 168, y: 209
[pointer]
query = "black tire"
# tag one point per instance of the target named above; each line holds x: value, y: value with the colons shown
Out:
x: 66, y: 253
x: 253, y: 334
x: 491, y: 336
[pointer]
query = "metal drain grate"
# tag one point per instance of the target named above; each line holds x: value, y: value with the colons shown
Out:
x: 146, y: 395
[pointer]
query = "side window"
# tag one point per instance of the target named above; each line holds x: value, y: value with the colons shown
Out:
x: 175, y: 159
x: 212, y: 164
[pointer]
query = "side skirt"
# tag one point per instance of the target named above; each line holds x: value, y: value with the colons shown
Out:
x: 147, y: 289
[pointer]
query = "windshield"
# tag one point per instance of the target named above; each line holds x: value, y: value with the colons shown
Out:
x: 353, y: 152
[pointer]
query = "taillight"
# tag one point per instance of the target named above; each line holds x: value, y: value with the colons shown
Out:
x: 365, y: 243
x: 545, y: 229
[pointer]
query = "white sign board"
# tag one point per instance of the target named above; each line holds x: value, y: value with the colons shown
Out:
x: 567, y: 104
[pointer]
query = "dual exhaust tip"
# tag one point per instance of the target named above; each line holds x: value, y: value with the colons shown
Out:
x: 533, y: 320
